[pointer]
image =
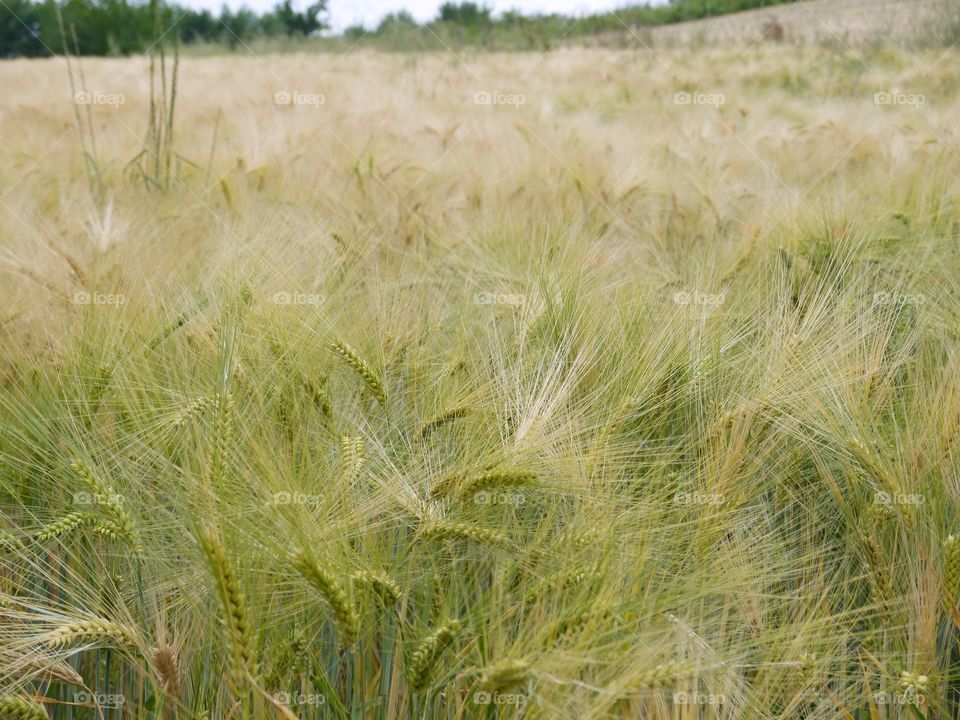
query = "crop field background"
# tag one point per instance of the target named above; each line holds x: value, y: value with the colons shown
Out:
x: 606, y: 382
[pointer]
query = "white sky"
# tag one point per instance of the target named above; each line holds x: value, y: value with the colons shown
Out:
x: 343, y: 13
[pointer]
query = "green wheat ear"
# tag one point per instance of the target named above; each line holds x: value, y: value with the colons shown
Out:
x: 505, y: 675
x: 360, y: 366
x: 9, y: 543
x: 192, y: 410
x: 91, y: 631
x: 351, y: 453
x: 951, y: 569
x: 495, y: 480
x: 381, y: 584
x: 425, y: 656
x: 345, y: 617
x: 664, y: 674
x: 119, y: 526
x: 16, y: 707
x: 881, y: 583
x: 65, y: 525
x: 563, y: 580
x: 440, y: 530
x: 233, y: 603
x: 222, y: 437
x: 458, y: 411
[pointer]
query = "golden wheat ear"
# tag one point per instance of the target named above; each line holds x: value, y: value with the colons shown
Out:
x: 166, y: 665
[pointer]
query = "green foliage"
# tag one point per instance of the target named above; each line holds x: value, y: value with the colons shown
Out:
x: 125, y: 27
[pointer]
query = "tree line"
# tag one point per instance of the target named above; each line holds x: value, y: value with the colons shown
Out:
x: 34, y: 28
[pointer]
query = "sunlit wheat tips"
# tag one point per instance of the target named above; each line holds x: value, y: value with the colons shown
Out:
x: 333, y: 594
x: 360, y: 366
x: 423, y: 659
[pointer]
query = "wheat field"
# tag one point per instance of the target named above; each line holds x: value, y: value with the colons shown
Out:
x: 594, y: 384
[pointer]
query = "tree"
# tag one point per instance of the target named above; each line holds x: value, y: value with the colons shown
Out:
x: 293, y: 22
x: 468, y: 14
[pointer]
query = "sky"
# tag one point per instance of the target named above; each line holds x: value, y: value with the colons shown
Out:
x: 343, y: 13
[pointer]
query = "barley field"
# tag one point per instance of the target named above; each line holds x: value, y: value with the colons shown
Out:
x: 603, y: 383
